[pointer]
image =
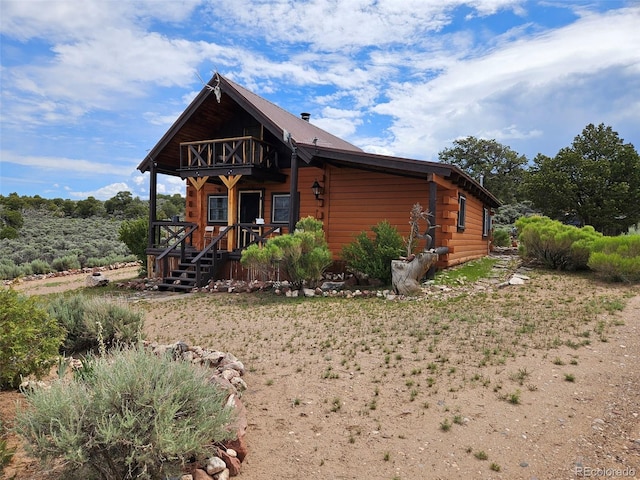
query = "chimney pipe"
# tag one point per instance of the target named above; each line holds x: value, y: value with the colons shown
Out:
x: 305, y: 116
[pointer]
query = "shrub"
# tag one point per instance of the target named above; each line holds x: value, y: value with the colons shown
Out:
x: 501, y: 237
x: 87, y: 321
x: 68, y: 262
x: 136, y: 415
x: 8, y: 269
x: 109, y: 260
x: 304, y: 254
x: 12, y: 218
x: 8, y: 232
x: 616, y: 258
x: 135, y: 235
x: 29, y: 338
x: 373, y: 256
x: 40, y: 267
x: 559, y: 246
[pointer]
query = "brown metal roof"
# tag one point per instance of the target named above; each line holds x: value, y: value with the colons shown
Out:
x: 302, y: 131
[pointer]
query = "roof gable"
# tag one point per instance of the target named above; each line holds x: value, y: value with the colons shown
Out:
x: 271, y: 115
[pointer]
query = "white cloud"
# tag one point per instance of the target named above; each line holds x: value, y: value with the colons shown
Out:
x: 103, y: 193
x: 346, y: 25
x: 483, y: 96
x: 169, y: 185
x: 75, y: 166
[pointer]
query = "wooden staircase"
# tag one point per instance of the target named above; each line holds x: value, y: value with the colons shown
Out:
x: 193, y: 272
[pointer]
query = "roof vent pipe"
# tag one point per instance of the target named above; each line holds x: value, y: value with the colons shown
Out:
x: 305, y: 116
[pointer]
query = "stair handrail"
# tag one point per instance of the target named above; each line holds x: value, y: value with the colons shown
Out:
x: 181, y: 240
x: 214, y: 244
x: 197, y: 260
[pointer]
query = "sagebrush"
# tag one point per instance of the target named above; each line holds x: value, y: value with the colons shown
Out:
x: 91, y: 320
x: 133, y: 415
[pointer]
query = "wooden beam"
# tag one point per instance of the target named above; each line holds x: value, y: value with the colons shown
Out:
x: 198, y: 182
x: 231, y: 183
x: 230, y: 180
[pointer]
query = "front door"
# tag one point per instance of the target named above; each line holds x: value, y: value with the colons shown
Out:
x: 249, y: 209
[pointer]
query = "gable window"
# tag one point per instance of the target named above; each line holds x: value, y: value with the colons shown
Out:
x: 486, y: 222
x: 462, y: 211
x: 218, y: 209
x: 280, y: 205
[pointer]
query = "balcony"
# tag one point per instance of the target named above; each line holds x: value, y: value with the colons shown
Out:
x: 230, y: 156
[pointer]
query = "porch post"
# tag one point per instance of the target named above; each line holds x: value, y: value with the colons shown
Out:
x: 433, y: 199
x: 153, y: 184
x: 293, y: 190
x: 230, y: 182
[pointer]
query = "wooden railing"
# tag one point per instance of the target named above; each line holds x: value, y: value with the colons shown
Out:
x: 172, y: 236
x: 168, y: 234
x: 175, y: 237
x: 226, y: 152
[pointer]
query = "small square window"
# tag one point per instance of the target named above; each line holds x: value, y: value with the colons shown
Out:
x: 280, y: 206
x: 218, y: 209
x: 462, y: 211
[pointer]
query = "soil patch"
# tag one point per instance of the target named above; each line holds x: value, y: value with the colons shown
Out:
x: 531, y: 381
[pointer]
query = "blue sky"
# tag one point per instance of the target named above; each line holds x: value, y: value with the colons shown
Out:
x: 88, y: 87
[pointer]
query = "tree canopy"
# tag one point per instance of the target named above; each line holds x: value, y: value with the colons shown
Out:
x: 500, y: 168
x: 596, y: 181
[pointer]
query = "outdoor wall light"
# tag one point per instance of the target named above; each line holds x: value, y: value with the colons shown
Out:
x: 317, y: 189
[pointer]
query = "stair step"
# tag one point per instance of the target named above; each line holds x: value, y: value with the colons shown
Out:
x: 171, y: 287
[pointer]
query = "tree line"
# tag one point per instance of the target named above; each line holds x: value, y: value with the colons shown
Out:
x: 122, y: 206
x: 594, y: 181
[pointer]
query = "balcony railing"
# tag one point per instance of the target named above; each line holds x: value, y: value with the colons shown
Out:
x: 239, y: 151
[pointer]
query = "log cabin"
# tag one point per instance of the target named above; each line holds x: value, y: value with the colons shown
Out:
x: 252, y: 170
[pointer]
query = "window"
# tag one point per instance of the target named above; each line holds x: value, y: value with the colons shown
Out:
x: 217, y: 209
x: 280, y: 206
x: 462, y: 211
x: 486, y: 222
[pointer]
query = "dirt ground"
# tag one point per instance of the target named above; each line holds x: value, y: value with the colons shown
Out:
x: 349, y: 389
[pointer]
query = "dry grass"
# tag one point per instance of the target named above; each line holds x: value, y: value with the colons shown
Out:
x: 370, y: 376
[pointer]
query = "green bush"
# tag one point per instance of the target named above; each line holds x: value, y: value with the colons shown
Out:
x: 8, y: 232
x: 303, y: 255
x: 616, y: 258
x: 372, y: 256
x: 558, y: 246
x: 136, y: 415
x: 135, y: 235
x: 40, y: 267
x: 29, y: 339
x: 68, y: 262
x: 88, y: 321
x: 109, y: 260
x: 9, y: 270
x: 501, y: 237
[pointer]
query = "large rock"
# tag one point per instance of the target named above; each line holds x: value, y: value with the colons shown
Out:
x: 97, y: 280
x: 215, y: 465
